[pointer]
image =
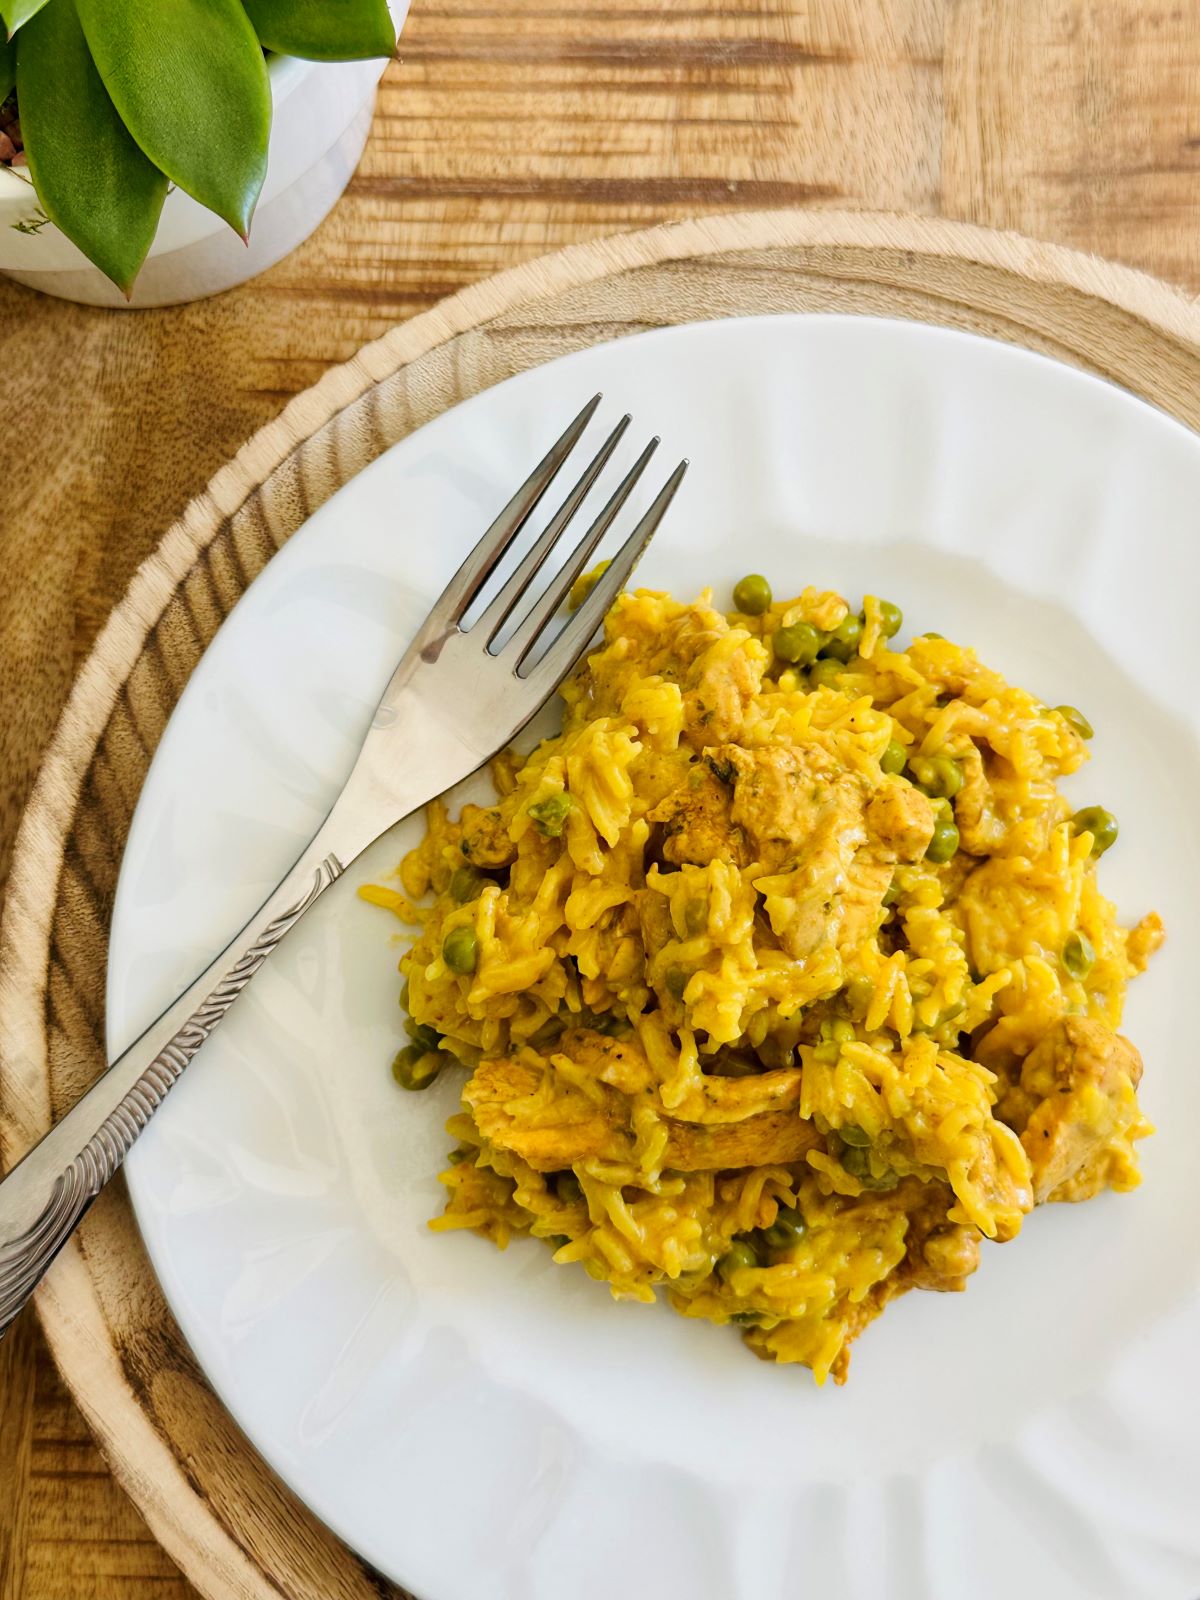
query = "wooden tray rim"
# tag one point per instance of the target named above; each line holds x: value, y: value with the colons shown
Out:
x: 210, y: 1555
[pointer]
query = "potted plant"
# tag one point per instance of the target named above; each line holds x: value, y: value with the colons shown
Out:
x: 153, y: 151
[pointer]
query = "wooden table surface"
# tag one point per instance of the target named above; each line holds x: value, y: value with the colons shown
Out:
x: 504, y: 131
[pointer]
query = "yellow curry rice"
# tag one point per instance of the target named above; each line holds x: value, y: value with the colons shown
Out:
x: 781, y: 976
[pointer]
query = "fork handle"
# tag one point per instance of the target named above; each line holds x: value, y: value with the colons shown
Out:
x: 48, y: 1191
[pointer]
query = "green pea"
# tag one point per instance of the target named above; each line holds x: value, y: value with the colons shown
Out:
x: 458, y: 1156
x: 1101, y: 824
x: 949, y: 1014
x: 752, y: 595
x: 788, y: 1228
x: 826, y: 674
x: 891, y: 619
x: 1078, y: 954
x: 944, y: 842
x: 931, y: 635
x: 860, y: 990
x: 799, y: 643
x: 677, y: 981
x: 855, y: 1160
x: 1076, y: 719
x: 465, y: 884
x: 460, y: 950
x: 746, y: 1319
x: 850, y: 1133
x: 741, y: 1253
x: 842, y: 643
x: 422, y: 1034
x: 895, y: 758
x: 695, y: 917
x: 549, y: 815
x: 939, y: 776
x: 568, y: 1187
x: 414, y: 1068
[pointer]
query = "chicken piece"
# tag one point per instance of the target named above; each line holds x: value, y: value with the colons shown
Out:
x: 720, y: 1099
x: 520, y: 1106
x: 719, y: 686
x: 623, y: 1064
x: 803, y: 906
x: 1082, y: 1077
x: 1113, y: 1166
x: 900, y: 818
x: 939, y: 1254
x: 859, y: 905
x: 834, y: 894
x: 900, y: 821
x: 949, y: 1255
x: 859, y: 1314
x: 783, y: 794
x: 980, y: 830
x: 817, y: 826
x: 485, y: 842
x: 751, y: 805
x: 772, y: 1138
x: 534, y: 1112
x: 696, y: 823
x: 824, y: 880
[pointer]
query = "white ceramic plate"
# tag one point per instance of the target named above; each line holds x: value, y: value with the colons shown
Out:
x: 481, y: 1425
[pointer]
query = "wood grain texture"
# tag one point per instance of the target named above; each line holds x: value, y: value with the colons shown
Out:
x: 503, y: 132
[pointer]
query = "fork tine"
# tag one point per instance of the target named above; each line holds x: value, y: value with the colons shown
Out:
x: 576, y: 635
x: 478, y: 565
x: 499, y: 609
x: 561, y: 584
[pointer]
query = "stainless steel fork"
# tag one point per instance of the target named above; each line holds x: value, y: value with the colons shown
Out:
x: 462, y: 690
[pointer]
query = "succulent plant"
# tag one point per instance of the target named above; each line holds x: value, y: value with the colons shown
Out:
x: 119, y: 99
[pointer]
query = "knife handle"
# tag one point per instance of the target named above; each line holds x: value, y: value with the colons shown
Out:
x: 44, y: 1196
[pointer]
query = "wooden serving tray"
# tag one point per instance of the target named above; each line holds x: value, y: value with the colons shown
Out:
x: 218, y: 1510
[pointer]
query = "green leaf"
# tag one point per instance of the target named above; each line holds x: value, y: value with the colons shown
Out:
x: 8, y: 67
x: 16, y: 13
x: 324, y: 30
x: 91, y: 178
x: 190, y: 82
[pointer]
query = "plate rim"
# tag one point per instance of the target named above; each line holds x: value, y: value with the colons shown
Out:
x: 140, y: 1193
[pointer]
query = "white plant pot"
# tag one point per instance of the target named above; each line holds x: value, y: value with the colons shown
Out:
x: 322, y: 114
